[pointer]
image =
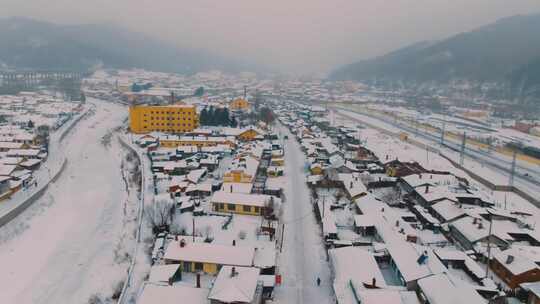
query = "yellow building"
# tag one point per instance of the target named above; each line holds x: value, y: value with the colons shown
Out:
x: 237, y: 176
x: 207, y: 257
x: 239, y: 104
x: 171, y: 119
x: 403, y: 136
x: 199, y: 141
x: 316, y: 169
x: 249, y: 134
x: 244, y: 171
x: 240, y: 203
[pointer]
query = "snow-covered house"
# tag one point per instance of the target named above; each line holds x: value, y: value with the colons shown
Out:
x: 349, y: 277
x: 239, y: 285
x: 469, y: 231
x: 241, y: 203
x: 412, y: 262
x: 152, y: 294
x: 444, y: 289
x: 237, y: 187
x: 513, y: 268
x: 207, y: 257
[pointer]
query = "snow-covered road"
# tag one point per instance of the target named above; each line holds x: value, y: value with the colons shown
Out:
x: 66, y: 252
x: 303, y: 258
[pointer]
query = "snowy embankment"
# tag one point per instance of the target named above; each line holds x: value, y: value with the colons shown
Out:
x: 140, y: 264
x: 74, y: 241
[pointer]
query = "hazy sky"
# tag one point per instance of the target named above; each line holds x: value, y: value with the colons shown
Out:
x: 298, y: 35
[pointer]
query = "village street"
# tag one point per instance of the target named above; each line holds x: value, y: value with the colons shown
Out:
x: 303, y: 258
x: 66, y: 250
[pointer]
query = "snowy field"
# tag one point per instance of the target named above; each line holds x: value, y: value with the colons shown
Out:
x: 69, y: 245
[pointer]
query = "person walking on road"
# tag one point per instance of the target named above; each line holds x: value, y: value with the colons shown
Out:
x: 318, y: 281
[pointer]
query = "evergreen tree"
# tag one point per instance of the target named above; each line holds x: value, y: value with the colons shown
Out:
x: 204, y: 117
x: 226, y: 117
x: 211, y: 117
x: 219, y: 117
x: 199, y: 92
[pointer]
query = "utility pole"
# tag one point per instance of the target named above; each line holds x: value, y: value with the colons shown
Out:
x: 512, y: 170
x: 282, y: 237
x: 489, y: 244
x: 462, y: 153
x: 193, y: 220
x: 443, y: 130
x: 323, y: 205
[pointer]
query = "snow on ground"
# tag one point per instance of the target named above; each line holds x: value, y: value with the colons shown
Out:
x: 66, y: 252
x: 142, y: 261
x: 456, y: 142
x: 303, y: 258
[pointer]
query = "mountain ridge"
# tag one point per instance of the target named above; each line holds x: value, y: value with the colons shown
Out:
x: 33, y: 44
x: 497, y: 52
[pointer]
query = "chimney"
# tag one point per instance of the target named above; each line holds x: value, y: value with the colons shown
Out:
x: 427, y: 188
x: 509, y: 259
x: 373, y: 282
x: 198, y: 280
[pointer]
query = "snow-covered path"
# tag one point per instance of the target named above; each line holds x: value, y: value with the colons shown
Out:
x: 67, y: 252
x: 303, y: 258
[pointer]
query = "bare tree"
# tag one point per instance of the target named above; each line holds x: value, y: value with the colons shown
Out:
x: 391, y: 197
x: 160, y: 213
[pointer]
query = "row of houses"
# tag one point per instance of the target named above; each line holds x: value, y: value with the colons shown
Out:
x: 25, y: 124
x: 415, y: 235
x: 223, y: 180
